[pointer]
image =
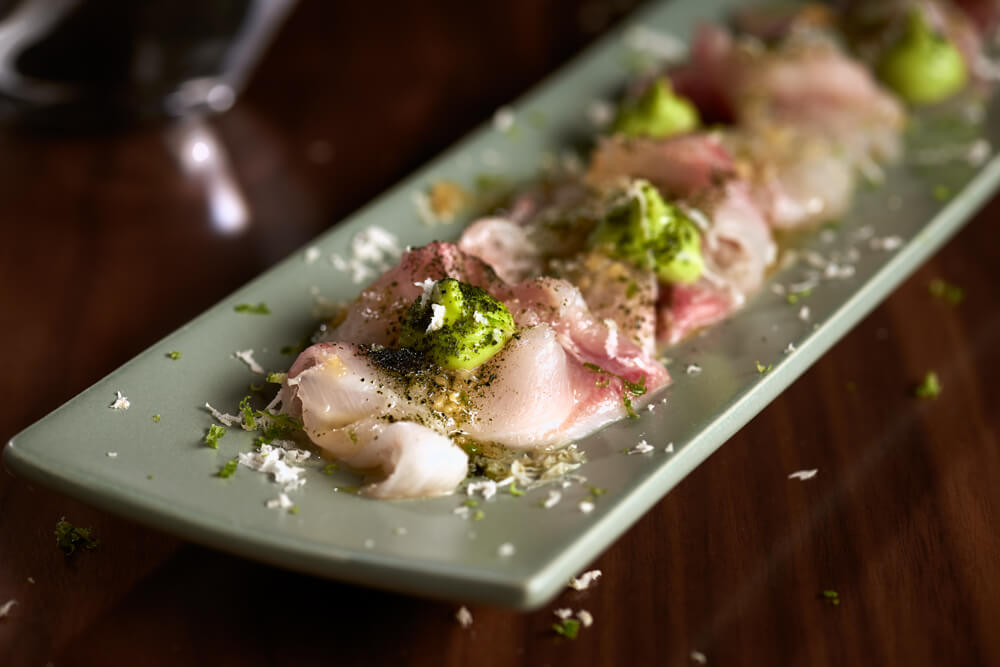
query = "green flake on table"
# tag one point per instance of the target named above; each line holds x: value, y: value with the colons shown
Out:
x: 329, y: 468
x: 276, y: 378
x: 156, y: 419
x: 479, y: 515
x: 832, y: 597
x: 260, y: 309
x: 946, y: 291
x: 568, y: 627
x: 174, y: 355
x: 929, y: 387
x: 942, y: 192
x: 514, y: 491
x: 69, y: 538
x: 294, y: 509
x: 215, y: 432
x: 229, y: 469
x: 764, y: 370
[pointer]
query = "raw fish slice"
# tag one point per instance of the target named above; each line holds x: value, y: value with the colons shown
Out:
x: 678, y: 166
x: 505, y: 246
x: 618, y: 292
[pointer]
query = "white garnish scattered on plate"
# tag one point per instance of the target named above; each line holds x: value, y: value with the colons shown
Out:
x: 601, y: 113
x: 804, y: 313
x: 503, y: 119
x: 584, y: 581
x: 692, y: 369
x: 586, y: 618
x: 224, y: 418
x: 369, y: 543
x: 282, y: 501
x: 121, y: 402
x: 487, y: 488
x: 246, y: 356
x: 506, y: 550
x: 642, y: 448
x: 669, y: 449
x: 586, y: 506
x: 464, y: 617
x: 804, y: 474
x: 312, y: 254
x: 562, y: 613
x: 662, y: 45
x: 271, y: 460
x: 552, y: 500
x: 789, y: 348
x: 112, y: 455
x: 887, y: 243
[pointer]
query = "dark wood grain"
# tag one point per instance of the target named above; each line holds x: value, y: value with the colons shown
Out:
x: 107, y: 248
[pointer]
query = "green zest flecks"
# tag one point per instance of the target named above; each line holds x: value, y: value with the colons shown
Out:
x: 229, y: 469
x: 568, y: 628
x: 69, y: 538
x: 215, y: 433
x: 946, y: 291
x: 929, y: 387
x: 629, y: 389
x: 248, y: 308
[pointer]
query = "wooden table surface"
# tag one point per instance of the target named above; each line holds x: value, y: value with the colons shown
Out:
x: 107, y: 247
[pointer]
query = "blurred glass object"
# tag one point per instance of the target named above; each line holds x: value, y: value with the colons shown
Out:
x: 104, y: 62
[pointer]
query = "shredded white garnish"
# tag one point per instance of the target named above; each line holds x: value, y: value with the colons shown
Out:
x: 373, y: 251
x: 804, y: 313
x: 112, y: 455
x: 562, y: 613
x: 586, y: 506
x: 223, y: 418
x: 586, y: 618
x: 692, y: 369
x: 121, y: 402
x: 887, y: 243
x: 464, y: 617
x: 642, y: 448
x: 503, y: 119
x: 789, y: 348
x: 669, y: 449
x: 437, y: 319
x: 487, y: 488
x: 803, y: 475
x: 650, y: 407
x: 270, y: 460
x: 282, y: 501
x: 246, y: 356
x: 506, y: 550
x: 6, y: 607
x: 584, y: 581
x: 312, y: 254
x: 661, y: 45
x: 462, y: 511
x: 552, y: 500
x: 601, y: 113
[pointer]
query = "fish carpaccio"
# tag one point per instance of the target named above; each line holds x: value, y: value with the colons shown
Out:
x: 801, y: 123
x: 565, y: 375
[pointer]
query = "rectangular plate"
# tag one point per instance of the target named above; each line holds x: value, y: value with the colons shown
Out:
x: 422, y: 547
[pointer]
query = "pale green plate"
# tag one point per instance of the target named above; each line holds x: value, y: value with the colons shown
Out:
x: 422, y: 547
